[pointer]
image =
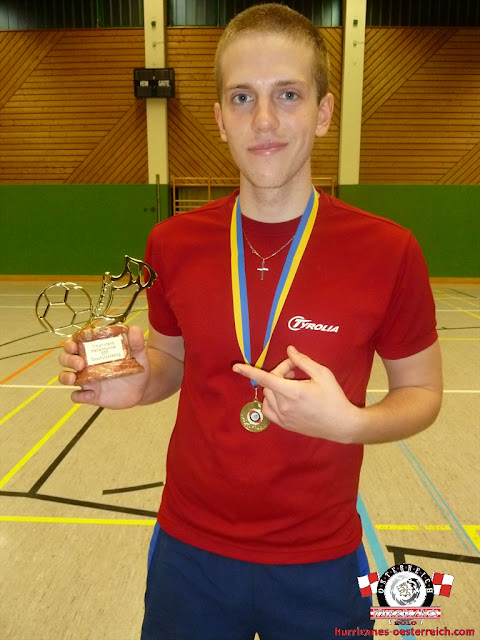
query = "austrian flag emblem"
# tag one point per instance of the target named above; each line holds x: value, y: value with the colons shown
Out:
x: 442, y: 584
x: 405, y: 591
x: 368, y: 584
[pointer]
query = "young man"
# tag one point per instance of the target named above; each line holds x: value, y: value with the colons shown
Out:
x: 259, y: 530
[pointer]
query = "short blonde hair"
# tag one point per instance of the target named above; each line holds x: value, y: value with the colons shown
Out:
x: 277, y: 18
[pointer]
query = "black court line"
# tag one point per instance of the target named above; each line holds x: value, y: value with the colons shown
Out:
x: 456, y: 328
x: 63, y: 454
x: 4, y: 344
x: 34, y: 495
x: 468, y: 295
x: 140, y: 487
x: 79, y: 503
x: 27, y: 353
x: 399, y: 554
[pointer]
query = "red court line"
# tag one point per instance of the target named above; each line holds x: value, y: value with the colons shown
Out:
x: 28, y: 365
x: 44, y: 355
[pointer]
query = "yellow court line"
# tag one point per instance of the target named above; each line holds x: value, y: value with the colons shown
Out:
x: 413, y: 527
x: 134, y: 316
x: 46, y: 437
x: 38, y: 446
x: 461, y: 339
x: 472, y: 303
x: 138, y: 523
x: 398, y: 527
x: 464, y: 311
x: 470, y: 529
x: 472, y: 532
x: 37, y: 393
x: 24, y: 404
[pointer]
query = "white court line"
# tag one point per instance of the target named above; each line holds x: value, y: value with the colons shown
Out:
x: 30, y: 306
x: 470, y: 299
x: 444, y: 391
x: 453, y: 310
x: 8, y: 306
x: 35, y: 295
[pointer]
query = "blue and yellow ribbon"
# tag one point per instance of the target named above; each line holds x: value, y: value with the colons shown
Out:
x: 239, y: 282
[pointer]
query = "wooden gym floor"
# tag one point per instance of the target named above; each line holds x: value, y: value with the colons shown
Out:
x: 80, y: 486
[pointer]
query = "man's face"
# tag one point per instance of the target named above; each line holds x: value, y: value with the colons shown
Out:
x: 269, y: 113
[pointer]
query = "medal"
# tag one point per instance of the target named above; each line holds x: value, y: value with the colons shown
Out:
x: 251, y: 415
x: 252, y: 418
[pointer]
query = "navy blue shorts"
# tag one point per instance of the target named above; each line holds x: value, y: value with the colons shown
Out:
x: 196, y: 595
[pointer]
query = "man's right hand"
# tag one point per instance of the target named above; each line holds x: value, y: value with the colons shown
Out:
x: 114, y: 393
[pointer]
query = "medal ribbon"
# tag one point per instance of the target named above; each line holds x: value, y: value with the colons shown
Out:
x: 239, y: 281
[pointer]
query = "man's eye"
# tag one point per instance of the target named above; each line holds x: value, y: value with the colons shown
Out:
x: 290, y: 95
x: 241, y: 98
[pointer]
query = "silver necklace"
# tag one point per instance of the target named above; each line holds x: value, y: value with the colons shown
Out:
x: 263, y: 268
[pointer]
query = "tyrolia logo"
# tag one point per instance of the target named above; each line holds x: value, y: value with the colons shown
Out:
x: 405, y: 591
x: 300, y: 322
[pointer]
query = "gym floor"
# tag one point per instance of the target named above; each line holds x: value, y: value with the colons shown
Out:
x: 80, y: 486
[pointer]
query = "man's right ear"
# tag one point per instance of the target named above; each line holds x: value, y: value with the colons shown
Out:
x: 217, y: 109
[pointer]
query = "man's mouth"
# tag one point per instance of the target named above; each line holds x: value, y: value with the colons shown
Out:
x: 267, y: 148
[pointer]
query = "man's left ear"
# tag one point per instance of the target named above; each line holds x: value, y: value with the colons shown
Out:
x: 325, y: 112
x: 217, y: 109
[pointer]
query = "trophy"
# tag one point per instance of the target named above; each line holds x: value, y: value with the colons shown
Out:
x: 66, y: 308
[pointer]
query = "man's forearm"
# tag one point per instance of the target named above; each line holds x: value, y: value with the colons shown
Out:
x: 166, y: 374
x: 403, y: 412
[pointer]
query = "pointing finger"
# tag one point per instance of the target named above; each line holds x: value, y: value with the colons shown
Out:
x: 263, y: 378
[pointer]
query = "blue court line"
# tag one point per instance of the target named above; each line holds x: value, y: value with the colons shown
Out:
x: 381, y: 564
x: 433, y: 491
x: 373, y: 543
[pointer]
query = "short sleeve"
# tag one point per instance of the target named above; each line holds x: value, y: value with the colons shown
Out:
x: 160, y: 313
x: 409, y: 324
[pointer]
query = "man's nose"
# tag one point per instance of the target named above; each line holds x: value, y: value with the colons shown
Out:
x: 265, y: 116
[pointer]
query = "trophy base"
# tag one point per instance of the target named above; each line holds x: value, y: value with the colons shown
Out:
x: 106, y: 351
x: 108, y: 371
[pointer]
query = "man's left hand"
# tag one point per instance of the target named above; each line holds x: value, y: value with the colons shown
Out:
x: 315, y: 407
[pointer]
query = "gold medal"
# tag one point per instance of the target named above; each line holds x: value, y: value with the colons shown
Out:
x: 251, y: 415
x: 252, y: 418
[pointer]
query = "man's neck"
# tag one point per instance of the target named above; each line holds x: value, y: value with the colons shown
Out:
x: 274, y: 204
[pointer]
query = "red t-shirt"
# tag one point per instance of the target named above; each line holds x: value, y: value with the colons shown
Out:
x: 362, y: 286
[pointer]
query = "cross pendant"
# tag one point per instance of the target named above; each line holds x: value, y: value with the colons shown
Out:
x: 263, y: 268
